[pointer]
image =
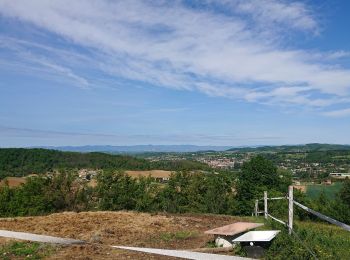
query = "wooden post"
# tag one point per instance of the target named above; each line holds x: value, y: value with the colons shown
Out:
x: 290, y: 209
x: 256, y: 208
x: 265, y: 204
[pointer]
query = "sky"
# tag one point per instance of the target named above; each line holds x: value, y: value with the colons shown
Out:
x: 202, y: 72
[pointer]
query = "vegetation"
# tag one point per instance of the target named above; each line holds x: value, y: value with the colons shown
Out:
x: 23, y: 250
x: 323, y: 240
x: 330, y: 191
x: 186, y: 191
x: 178, y: 235
x: 217, y: 193
x: 257, y: 176
x: 42, y: 195
x: 21, y: 162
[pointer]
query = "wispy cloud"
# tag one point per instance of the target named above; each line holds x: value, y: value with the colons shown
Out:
x: 231, y: 49
x: 48, y: 137
x: 25, y: 59
x: 267, y: 13
x: 338, y: 113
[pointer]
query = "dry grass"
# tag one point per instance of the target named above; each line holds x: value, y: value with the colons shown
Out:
x: 13, y: 181
x: 102, y: 229
x: 302, y: 188
x: 152, y: 173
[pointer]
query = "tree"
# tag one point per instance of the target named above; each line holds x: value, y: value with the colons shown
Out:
x: 345, y: 192
x: 257, y: 175
x: 116, y: 191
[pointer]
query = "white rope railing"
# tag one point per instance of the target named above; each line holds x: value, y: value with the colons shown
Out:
x: 278, y: 220
x: 277, y: 198
x: 289, y: 224
x: 324, y: 217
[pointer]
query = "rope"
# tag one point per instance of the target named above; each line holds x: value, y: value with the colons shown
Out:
x: 324, y: 217
x: 278, y: 220
x: 296, y: 235
x: 277, y: 198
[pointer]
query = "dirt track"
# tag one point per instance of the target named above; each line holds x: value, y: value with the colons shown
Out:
x: 119, y: 228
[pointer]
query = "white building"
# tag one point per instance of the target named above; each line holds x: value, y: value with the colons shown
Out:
x: 339, y: 175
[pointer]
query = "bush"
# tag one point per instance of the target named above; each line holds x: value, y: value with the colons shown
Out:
x: 43, y: 195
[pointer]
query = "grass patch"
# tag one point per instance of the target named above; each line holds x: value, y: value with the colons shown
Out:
x: 23, y: 250
x: 314, y: 191
x: 178, y: 235
x: 210, y: 244
x: 325, y: 240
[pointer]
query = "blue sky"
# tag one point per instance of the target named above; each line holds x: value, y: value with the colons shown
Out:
x: 213, y: 72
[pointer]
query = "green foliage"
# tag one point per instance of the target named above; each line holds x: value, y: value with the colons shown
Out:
x: 20, y: 250
x: 259, y: 175
x: 42, y: 195
x: 325, y: 241
x: 116, y: 191
x: 185, y: 192
x: 21, y: 162
x: 146, y: 192
x: 330, y: 191
x: 190, y: 192
x: 345, y: 193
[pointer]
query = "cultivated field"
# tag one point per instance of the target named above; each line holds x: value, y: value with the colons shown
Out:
x: 102, y: 229
x: 13, y: 181
x: 314, y: 190
x: 152, y: 173
x: 330, y: 191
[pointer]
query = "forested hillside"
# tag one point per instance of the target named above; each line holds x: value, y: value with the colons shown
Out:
x: 20, y: 162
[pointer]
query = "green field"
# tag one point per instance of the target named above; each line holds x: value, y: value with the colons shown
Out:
x: 313, y: 191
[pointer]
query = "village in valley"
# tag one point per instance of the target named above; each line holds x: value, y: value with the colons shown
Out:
x: 181, y: 129
x: 299, y: 164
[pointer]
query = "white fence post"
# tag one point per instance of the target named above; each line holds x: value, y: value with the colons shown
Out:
x: 290, y: 209
x: 265, y: 204
x: 256, y: 208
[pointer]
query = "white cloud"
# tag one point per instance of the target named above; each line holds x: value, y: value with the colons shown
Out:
x: 338, y: 113
x: 289, y: 13
x: 32, y: 62
x: 172, y: 45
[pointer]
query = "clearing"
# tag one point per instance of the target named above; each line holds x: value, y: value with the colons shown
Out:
x: 152, y: 173
x: 102, y: 229
x: 13, y: 181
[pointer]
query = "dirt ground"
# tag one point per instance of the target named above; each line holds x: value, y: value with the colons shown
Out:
x: 101, y: 229
x: 302, y: 188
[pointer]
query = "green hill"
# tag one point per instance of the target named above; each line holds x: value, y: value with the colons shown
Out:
x: 314, y: 147
x: 20, y: 162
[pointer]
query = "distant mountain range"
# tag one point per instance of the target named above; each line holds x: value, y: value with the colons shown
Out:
x: 137, y: 148
x: 314, y: 147
x: 197, y: 148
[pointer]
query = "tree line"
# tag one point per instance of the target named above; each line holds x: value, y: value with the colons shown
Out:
x: 186, y: 191
x: 20, y: 162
